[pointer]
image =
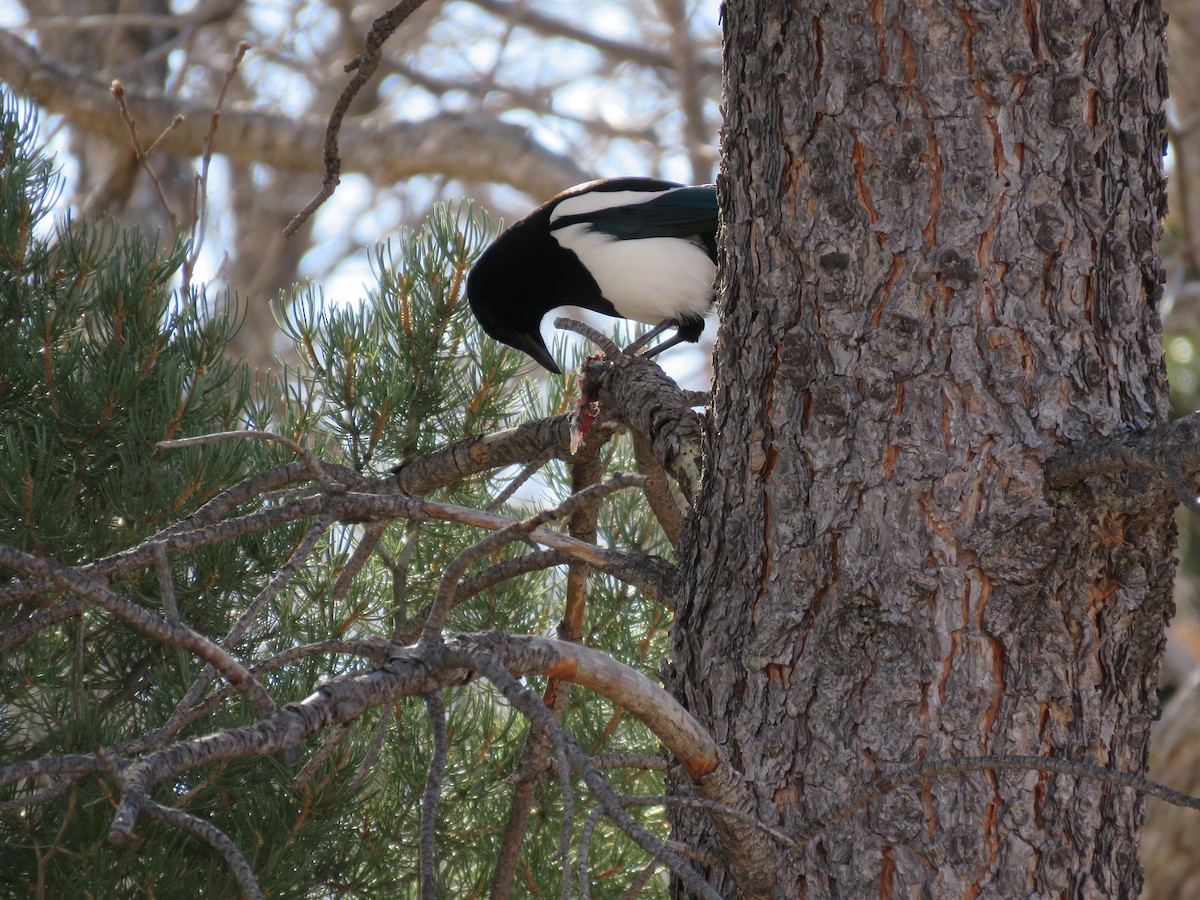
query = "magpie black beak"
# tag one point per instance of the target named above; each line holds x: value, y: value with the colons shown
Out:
x: 536, y: 347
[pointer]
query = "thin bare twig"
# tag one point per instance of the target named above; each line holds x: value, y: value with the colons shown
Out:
x: 629, y: 761
x: 166, y: 584
x: 363, y: 66
x: 568, y: 822
x: 314, y: 465
x: 638, y: 884
x: 200, y: 193
x: 432, y: 633
x: 211, y: 835
x: 331, y: 742
x: 172, y: 635
x: 433, y: 792
x: 513, y: 486
x: 42, y: 795
x: 118, y: 92
x: 367, y: 767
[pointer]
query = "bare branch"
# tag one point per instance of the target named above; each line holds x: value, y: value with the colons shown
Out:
x: 490, y: 577
x: 551, y: 26
x: 480, y: 148
x: 200, y: 194
x: 42, y: 795
x: 316, y: 469
x: 515, y: 484
x: 454, y: 572
x: 212, y: 836
x: 1172, y: 449
x: 118, y: 92
x: 658, y: 491
x: 433, y: 792
x: 585, y: 472
x: 67, y: 764
x: 166, y: 583
x: 331, y: 742
x: 629, y: 761
x: 146, y: 622
x: 252, y: 612
x: 528, y: 703
x: 363, y: 66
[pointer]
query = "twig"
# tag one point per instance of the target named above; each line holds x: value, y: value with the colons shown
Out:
x: 136, y: 557
x: 364, y: 66
x: 42, y: 795
x: 432, y: 633
x: 162, y: 135
x: 265, y: 596
x: 529, y: 704
x: 629, y: 761
x: 172, y: 635
x: 367, y: 767
x: 314, y: 465
x: 155, y: 739
x: 373, y: 534
x: 211, y: 835
x: 601, y: 340
x: 568, y: 822
x: 200, y: 192
x: 513, y: 486
x: 433, y: 791
x: 331, y: 742
x: 166, y: 584
x: 118, y: 92
x: 643, y: 878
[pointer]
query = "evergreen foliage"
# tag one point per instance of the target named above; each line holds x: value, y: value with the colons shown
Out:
x: 102, y: 359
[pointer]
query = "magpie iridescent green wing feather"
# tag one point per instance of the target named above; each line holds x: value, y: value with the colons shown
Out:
x: 681, y: 213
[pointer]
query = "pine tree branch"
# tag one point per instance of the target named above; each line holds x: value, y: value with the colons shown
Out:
x: 658, y: 490
x: 442, y: 604
x: 529, y: 703
x: 146, y: 622
x: 212, y: 836
x: 433, y: 791
x: 1172, y: 449
x: 876, y: 789
x: 488, y: 578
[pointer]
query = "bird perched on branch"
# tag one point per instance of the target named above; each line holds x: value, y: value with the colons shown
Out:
x: 636, y: 248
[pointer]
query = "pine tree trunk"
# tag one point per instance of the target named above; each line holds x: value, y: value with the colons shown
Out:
x: 942, y: 271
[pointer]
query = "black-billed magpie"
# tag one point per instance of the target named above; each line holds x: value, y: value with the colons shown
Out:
x: 637, y: 248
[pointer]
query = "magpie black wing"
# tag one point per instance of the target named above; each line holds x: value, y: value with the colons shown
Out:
x: 682, y: 213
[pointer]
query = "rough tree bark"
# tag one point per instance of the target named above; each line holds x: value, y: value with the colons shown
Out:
x: 941, y: 271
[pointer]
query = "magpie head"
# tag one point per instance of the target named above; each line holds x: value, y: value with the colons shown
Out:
x: 497, y: 301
